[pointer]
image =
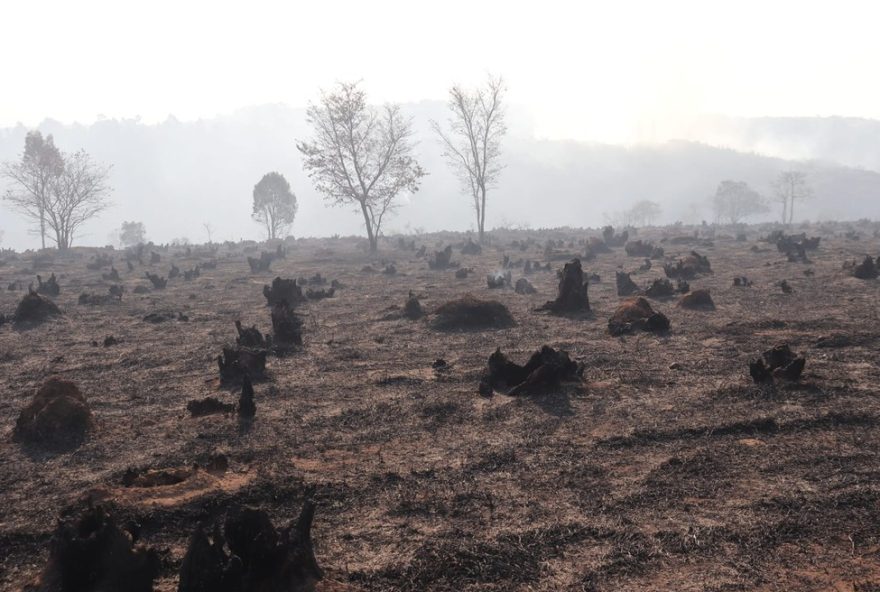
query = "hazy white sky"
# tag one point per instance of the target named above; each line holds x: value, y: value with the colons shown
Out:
x: 610, y: 71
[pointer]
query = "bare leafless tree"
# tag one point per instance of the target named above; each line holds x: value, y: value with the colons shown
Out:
x: 77, y: 195
x: 360, y: 155
x: 791, y: 186
x: 32, y: 176
x: 472, y: 143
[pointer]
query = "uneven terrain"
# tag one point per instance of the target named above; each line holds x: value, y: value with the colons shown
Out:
x: 667, y: 469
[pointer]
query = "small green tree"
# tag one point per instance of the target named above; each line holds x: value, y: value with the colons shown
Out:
x: 274, y: 204
x: 735, y: 200
x: 132, y: 234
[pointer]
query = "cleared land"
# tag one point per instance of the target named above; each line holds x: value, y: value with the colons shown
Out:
x: 667, y: 469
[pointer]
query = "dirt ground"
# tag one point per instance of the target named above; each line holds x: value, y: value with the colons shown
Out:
x: 667, y: 469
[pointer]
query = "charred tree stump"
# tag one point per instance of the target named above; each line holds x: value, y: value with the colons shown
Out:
x: 260, y: 557
x: 48, y: 288
x: 545, y: 370
x: 777, y: 364
x: 572, y: 296
x: 866, y: 270
x: 286, y: 326
x: 247, y: 408
x: 88, y: 552
x: 637, y: 315
x: 413, y: 308
x: 625, y: 285
x: 283, y: 290
x: 159, y: 283
x: 235, y: 363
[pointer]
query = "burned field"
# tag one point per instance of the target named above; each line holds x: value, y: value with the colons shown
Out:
x: 681, y: 456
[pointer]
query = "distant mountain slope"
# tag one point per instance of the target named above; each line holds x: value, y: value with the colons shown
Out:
x: 176, y: 176
x: 849, y: 141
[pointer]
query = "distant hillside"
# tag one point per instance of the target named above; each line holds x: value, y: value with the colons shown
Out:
x: 176, y: 176
x: 849, y: 141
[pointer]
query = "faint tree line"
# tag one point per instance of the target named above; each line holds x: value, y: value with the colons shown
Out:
x: 734, y: 201
x: 642, y: 213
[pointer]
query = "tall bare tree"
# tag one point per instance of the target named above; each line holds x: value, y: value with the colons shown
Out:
x: 472, y: 143
x: 360, y: 155
x: 274, y: 204
x: 32, y: 177
x: 791, y: 186
x: 77, y: 195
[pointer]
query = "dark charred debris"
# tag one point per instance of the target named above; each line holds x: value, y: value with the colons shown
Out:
x: 247, y: 408
x: 625, y: 285
x: 471, y: 248
x: 779, y: 364
x: 614, y: 240
x: 470, y: 313
x: 248, y: 554
x: 283, y: 290
x: 412, y: 309
x: 159, y: 283
x: 34, y: 309
x: 443, y: 259
x: 697, y: 300
x: 499, y: 279
x: 236, y: 362
x: 89, y: 552
x: 634, y: 315
x: 688, y: 267
x: 524, y: 287
x: 867, y: 269
x: 572, y: 292
x: 793, y: 246
x: 546, y: 370
x: 643, y: 249
x: 57, y: 418
x: 48, y: 288
x: 208, y: 406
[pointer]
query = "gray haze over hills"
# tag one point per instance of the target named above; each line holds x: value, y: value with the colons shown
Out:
x: 176, y: 176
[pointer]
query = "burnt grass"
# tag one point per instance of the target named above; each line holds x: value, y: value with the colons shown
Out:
x: 667, y: 469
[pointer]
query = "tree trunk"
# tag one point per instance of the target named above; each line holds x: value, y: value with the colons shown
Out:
x: 43, y: 227
x: 374, y: 243
x: 791, y: 211
x: 482, y: 214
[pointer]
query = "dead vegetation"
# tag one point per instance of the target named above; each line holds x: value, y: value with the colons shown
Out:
x: 777, y: 364
x: 545, y: 370
x: 249, y: 555
x: 697, y: 300
x: 471, y: 313
x: 572, y: 291
x: 34, y: 309
x: 88, y: 551
x: 58, y: 417
x: 659, y: 464
x: 283, y: 290
x: 637, y: 315
x: 689, y: 267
